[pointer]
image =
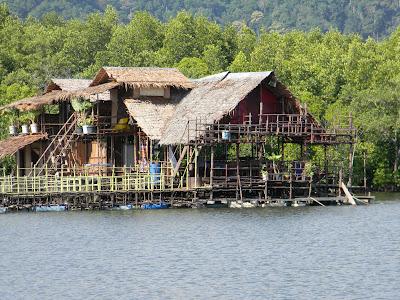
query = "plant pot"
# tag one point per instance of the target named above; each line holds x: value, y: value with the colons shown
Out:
x: 12, y: 130
x: 89, y: 129
x: 226, y: 135
x: 24, y: 129
x: 78, y: 130
x: 34, y: 128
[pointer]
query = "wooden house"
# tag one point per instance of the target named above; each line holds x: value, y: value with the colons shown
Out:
x: 141, y: 117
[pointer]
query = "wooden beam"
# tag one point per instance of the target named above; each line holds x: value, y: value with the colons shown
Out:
x: 348, y: 194
x: 175, y: 171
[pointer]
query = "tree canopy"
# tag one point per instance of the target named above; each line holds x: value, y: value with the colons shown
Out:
x: 376, y: 18
x: 334, y: 73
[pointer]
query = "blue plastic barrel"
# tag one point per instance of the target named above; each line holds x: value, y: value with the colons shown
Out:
x: 155, y: 171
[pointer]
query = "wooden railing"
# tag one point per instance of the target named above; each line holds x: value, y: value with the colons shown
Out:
x: 95, y: 179
x: 288, y: 125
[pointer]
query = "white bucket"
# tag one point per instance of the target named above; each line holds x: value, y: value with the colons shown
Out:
x: 34, y: 128
x: 12, y: 130
x: 89, y: 129
x: 25, y: 129
x: 225, y: 135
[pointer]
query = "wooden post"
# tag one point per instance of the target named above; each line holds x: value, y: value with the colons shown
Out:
x: 351, y: 150
x: 365, y: 172
x: 239, y: 184
x: 212, y: 165
x: 212, y: 171
x: 196, y: 155
x: 326, y: 170
x: 290, y: 184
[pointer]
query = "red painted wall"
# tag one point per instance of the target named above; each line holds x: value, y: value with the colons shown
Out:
x: 270, y: 103
x: 251, y: 104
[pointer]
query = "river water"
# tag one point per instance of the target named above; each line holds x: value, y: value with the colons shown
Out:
x: 266, y: 253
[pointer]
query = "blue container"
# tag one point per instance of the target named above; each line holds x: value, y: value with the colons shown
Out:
x: 155, y: 171
x: 161, y: 205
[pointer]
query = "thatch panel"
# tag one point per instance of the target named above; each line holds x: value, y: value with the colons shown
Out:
x: 36, y: 102
x: 212, y: 99
x: 95, y: 90
x: 67, y: 84
x: 216, y: 96
x: 15, y: 143
x: 143, y: 77
x: 151, y: 115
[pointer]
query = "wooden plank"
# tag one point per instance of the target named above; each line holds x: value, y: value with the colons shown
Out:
x: 175, y: 171
x: 348, y: 194
x: 316, y: 201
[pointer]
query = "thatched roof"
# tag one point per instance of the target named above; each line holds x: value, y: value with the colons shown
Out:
x: 71, y: 85
x: 143, y: 77
x: 63, y: 84
x: 36, y: 102
x: 214, y: 97
x: 14, y: 143
x: 99, y: 90
x: 151, y: 115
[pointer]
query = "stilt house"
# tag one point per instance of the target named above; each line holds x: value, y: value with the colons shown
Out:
x: 132, y: 130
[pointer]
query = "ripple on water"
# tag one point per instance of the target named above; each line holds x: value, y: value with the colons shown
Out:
x: 276, y: 253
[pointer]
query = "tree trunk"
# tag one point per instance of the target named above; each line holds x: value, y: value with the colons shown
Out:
x: 397, y: 154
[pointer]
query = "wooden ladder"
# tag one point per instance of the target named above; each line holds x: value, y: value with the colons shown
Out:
x: 60, y: 142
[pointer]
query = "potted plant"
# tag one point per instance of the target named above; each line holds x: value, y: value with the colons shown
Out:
x: 12, y: 128
x: 79, y: 129
x: 24, y: 119
x: 81, y: 106
x: 32, y: 116
x: 88, y: 126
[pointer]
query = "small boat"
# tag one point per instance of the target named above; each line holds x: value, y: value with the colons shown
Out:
x: 160, y: 205
x: 217, y: 204
x: 46, y: 208
x: 239, y: 204
x: 298, y: 203
x: 123, y: 207
x: 235, y: 204
x: 3, y: 210
x: 248, y: 205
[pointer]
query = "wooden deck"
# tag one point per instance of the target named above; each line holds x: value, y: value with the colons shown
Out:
x: 294, y: 128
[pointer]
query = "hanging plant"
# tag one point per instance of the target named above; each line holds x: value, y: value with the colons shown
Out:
x: 81, y: 106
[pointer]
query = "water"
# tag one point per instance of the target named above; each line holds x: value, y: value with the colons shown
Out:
x: 272, y: 253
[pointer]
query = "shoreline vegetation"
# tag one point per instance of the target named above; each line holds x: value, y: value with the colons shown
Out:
x: 333, y: 73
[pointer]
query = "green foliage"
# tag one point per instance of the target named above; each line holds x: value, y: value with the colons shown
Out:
x: 367, y: 17
x: 81, y: 105
x: 29, y: 116
x: 193, y: 67
x: 383, y: 178
x: 240, y: 63
x: 214, y: 58
x: 88, y: 121
x: 333, y: 73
